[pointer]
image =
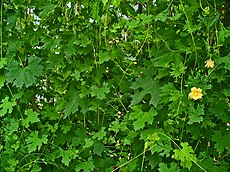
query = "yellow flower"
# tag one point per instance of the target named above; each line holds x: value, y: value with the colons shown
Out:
x: 195, y: 93
x: 209, y: 63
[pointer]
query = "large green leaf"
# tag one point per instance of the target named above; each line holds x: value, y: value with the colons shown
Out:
x: 24, y: 75
x: 73, y: 102
x: 148, y: 86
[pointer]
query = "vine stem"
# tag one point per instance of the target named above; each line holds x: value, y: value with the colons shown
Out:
x: 180, y: 149
x: 146, y: 150
x: 190, y: 32
x: 11, y: 93
x: 131, y: 160
x: 138, y: 52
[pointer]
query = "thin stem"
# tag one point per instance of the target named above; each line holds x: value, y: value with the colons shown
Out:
x: 143, y: 159
x: 182, y: 152
x: 131, y: 160
x: 11, y: 93
x: 190, y: 32
x: 181, y: 91
x: 138, y: 52
x: 201, y: 5
x: 146, y: 150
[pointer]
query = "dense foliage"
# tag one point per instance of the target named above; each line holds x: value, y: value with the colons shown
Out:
x: 103, y: 86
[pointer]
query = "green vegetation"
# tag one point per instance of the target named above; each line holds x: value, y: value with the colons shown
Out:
x: 95, y: 86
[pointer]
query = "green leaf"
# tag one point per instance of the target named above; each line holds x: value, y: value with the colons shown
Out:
x: 172, y: 167
x: 195, y: 115
x: 68, y: 155
x: 222, y: 140
x: 100, y: 93
x: 36, y: 168
x: 185, y: 155
x: 226, y: 61
x: 103, y: 57
x: 98, y: 148
x: 3, y: 63
x: 87, y: 166
x: 88, y: 143
x: 149, y: 86
x: 178, y: 69
x: 164, y: 60
x: 32, y: 117
x: 100, y: 135
x: 72, y: 103
x: 20, y: 75
x: 6, y: 106
x: 46, y: 10
x: 162, y: 16
x: 104, y: 2
x: 34, y: 142
x: 13, y: 47
x: 141, y: 118
x: 132, y: 24
x: 116, y: 3
x: 2, y: 81
x: 70, y: 51
x: 12, y: 20
x: 223, y: 34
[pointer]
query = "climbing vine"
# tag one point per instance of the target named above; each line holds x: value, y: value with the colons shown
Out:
x: 109, y: 85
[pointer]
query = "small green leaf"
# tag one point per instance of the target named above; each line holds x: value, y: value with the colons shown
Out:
x: 226, y: 60
x: 116, y: 3
x: 98, y: 148
x: 32, y: 117
x: 172, y: 167
x: 68, y: 155
x: 100, y: 93
x: 46, y: 9
x: 3, y: 63
x: 6, y: 106
x: 100, y: 135
x: 103, y: 57
x: 195, y: 115
x: 34, y: 142
x: 162, y: 16
x: 87, y: 166
x: 132, y: 24
x: 185, y: 155
x: 2, y: 81
x: 104, y: 2
x: 13, y: 47
x: 222, y: 141
x: 141, y: 118
x: 88, y: 143
x: 36, y: 168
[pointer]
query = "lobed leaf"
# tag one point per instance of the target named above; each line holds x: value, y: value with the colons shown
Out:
x: 20, y: 75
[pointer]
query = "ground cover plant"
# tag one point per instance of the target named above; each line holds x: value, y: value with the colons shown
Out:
x: 115, y: 85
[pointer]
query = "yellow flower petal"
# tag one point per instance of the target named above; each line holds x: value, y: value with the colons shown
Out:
x: 209, y: 63
x: 195, y: 93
